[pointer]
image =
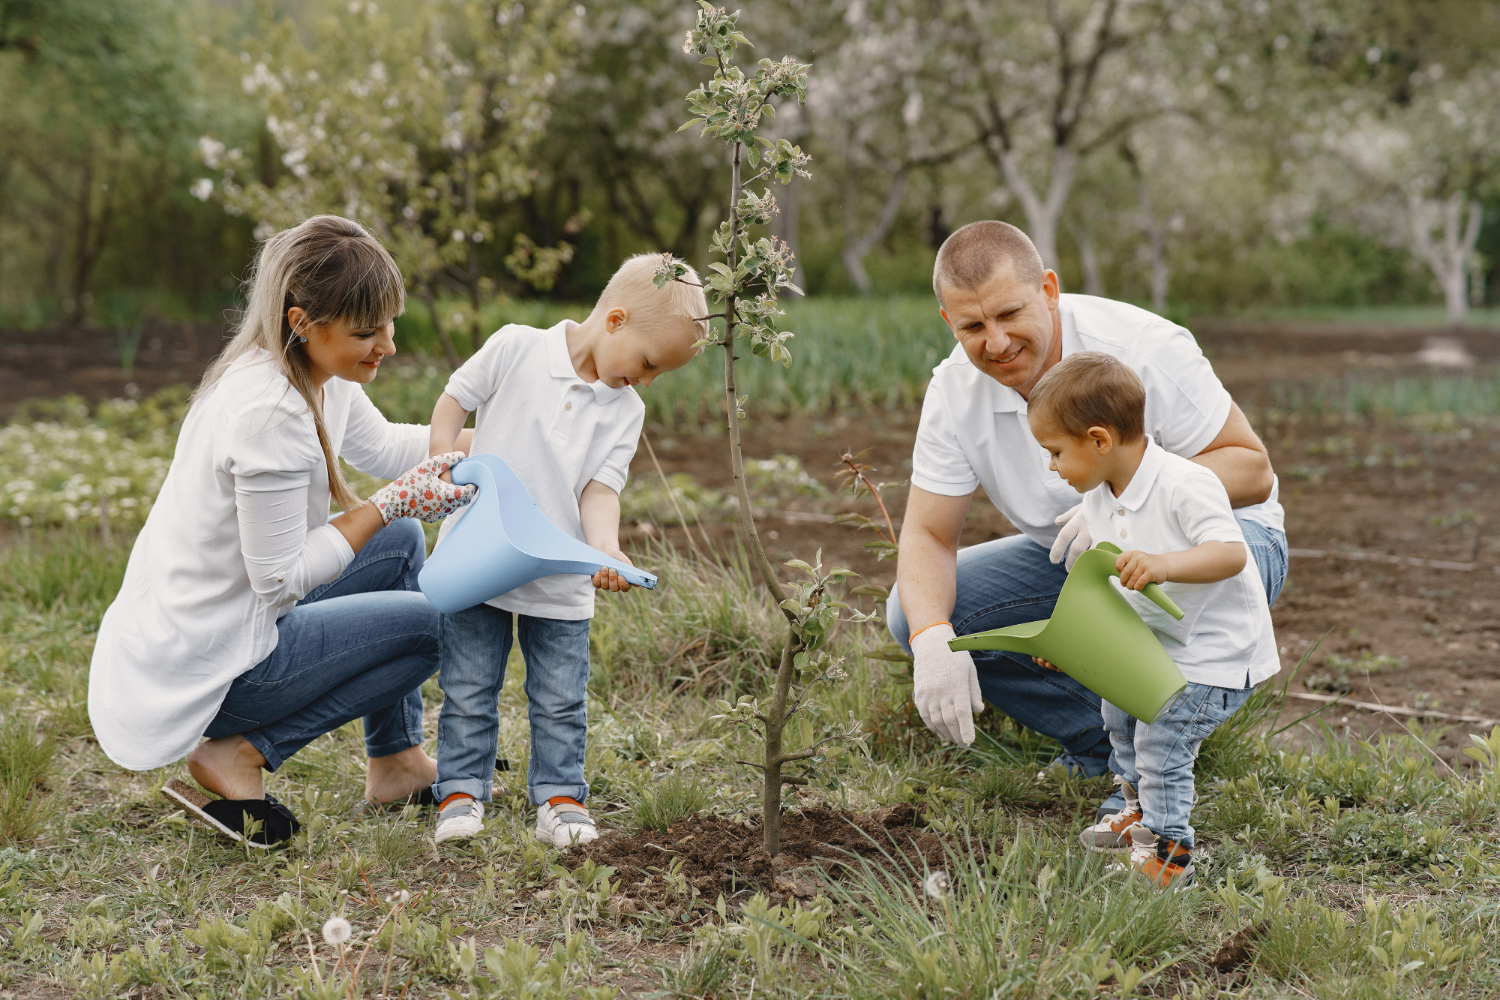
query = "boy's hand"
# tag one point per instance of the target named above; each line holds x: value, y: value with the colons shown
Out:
x: 1137, y: 569
x: 609, y: 579
x: 1043, y: 663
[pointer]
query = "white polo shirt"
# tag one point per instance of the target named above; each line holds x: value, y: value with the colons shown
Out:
x: 1171, y: 505
x: 557, y: 432
x: 973, y: 430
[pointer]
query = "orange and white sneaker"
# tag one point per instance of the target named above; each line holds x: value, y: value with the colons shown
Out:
x: 1110, y: 833
x: 1166, y: 864
x: 564, y: 822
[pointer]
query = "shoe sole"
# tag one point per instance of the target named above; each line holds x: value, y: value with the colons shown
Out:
x: 192, y: 801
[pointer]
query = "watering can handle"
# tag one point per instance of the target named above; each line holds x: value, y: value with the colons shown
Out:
x: 1152, y: 592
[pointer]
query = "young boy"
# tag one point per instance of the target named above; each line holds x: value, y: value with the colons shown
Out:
x: 559, y: 407
x: 1173, y: 519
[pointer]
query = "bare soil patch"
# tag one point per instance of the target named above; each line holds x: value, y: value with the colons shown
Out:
x: 721, y: 855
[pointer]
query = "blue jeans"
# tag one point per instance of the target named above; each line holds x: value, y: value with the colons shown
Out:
x: 476, y: 646
x: 360, y: 646
x: 1158, y: 758
x: 1009, y: 581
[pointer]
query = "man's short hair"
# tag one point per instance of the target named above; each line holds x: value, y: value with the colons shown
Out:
x: 973, y: 253
x: 1092, y: 389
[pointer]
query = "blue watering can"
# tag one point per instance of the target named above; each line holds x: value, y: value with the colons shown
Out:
x: 503, y: 541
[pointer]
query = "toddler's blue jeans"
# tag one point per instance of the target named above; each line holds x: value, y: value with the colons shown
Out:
x: 475, y: 646
x: 1158, y: 758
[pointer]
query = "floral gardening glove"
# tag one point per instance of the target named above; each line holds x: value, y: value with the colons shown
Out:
x: 419, y: 492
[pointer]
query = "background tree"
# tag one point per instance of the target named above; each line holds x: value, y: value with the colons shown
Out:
x: 416, y: 118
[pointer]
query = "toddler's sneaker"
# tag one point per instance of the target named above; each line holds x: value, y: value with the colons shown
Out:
x: 1110, y: 833
x: 460, y: 818
x: 564, y: 822
x: 1169, y: 867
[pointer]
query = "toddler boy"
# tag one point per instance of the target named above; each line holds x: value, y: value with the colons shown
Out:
x: 1172, y: 517
x: 559, y: 407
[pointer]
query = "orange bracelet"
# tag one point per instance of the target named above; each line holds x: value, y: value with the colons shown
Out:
x: 924, y: 628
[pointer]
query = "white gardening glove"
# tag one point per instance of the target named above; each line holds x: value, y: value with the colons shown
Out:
x: 945, y: 685
x: 1074, y: 538
x: 419, y: 492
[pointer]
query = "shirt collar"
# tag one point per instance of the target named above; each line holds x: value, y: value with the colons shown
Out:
x: 560, y: 363
x: 1145, y: 476
x: 1008, y: 400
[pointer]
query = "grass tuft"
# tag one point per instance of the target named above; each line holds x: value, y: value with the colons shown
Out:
x: 660, y: 803
x: 26, y: 760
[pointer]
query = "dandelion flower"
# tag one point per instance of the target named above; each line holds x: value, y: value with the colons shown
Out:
x: 936, y: 884
x: 336, y: 930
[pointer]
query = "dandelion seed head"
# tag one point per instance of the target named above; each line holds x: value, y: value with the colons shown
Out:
x: 336, y: 930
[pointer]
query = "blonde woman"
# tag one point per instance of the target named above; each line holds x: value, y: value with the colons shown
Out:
x: 247, y: 615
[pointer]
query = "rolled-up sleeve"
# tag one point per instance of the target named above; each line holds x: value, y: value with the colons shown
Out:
x: 616, y: 467
x: 283, y: 559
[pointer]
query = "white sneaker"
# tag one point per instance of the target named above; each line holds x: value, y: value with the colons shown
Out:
x: 1142, y: 848
x: 459, y: 820
x: 564, y: 823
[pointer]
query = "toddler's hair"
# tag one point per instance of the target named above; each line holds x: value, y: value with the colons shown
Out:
x: 972, y: 254
x: 1092, y: 389
x: 632, y: 286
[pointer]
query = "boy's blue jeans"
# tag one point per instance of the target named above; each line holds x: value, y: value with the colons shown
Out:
x: 475, y: 648
x: 1158, y: 758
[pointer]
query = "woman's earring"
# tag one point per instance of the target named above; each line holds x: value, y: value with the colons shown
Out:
x: 302, y: 339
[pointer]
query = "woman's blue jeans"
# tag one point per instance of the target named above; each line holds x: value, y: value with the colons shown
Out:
x: 476, y: 648
x: 358, y: 647
x: 1009, y: 581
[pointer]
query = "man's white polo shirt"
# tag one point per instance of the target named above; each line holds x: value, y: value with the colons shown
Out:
x: 1172, y: 505
x: 973, y: 430
x: 557, y: 432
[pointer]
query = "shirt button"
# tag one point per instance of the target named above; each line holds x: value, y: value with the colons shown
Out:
x: 1121, y: 512
x: 575, y: 385
x: 567, y: 406
x: 1124, y: 533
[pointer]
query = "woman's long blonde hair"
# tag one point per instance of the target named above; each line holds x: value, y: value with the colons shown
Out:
x: 334, y: 270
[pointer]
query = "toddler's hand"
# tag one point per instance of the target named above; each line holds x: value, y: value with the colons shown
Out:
x: 1043, y: 663
x: 1137, y: 569
x: 609, y: 579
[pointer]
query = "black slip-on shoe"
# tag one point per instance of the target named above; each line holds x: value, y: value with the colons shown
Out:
x: 367, y: 808
x: 232, y: 817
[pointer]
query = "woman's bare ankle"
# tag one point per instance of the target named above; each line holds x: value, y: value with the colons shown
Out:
x: 228, y: 767
x: 399, y: 775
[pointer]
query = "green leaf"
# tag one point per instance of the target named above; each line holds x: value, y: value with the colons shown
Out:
x: 689, y: 124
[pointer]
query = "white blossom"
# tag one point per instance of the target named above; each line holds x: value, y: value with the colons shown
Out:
x: 936, y: 885
x: 336, y: 930
x: 202, y: 188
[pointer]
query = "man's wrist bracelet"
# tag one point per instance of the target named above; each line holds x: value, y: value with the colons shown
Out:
x: 926, y: 627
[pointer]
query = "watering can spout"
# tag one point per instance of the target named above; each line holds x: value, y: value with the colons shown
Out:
x: 503, y: 541
x: 1098, y: 639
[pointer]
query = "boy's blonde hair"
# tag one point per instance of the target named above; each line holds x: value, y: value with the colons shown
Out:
x: 632, y: 286
x: 1092, y: 389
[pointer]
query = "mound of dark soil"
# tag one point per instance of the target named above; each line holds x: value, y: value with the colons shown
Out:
x: 721, y: 855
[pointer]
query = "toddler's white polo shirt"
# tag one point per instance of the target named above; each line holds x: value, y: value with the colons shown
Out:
x: 974, y: 432
x: 557, y: 432
x: 1171, y: 505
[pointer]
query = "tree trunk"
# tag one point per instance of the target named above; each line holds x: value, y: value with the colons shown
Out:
x: 1450, y: 262
x: 857, y: 246
x: 1093, y: 278
x: 449, y: 351
x: 1042, y: 214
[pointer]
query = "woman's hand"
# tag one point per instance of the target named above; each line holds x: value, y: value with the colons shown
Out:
x: 420, y: 493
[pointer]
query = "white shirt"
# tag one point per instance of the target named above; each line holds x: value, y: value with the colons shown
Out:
x: 239, y: 533
x: 973, y: 430
x: 1171, y: 505
x: 557, y: 432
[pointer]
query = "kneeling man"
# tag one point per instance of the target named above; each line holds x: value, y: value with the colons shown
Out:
x: 1012, y: 325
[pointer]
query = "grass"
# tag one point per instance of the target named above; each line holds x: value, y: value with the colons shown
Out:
x: 1353, y: 868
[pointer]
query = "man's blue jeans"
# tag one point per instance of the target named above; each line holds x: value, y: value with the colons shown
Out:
x: 1157, y: 759
x: 476, y: 646
x: 1009, y: 581
x: 360, y: 646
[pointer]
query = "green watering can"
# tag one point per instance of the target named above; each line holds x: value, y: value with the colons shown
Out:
x: 1095, y: 637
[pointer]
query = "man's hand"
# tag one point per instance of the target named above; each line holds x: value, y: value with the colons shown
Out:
x: 1074, y: 538
x: 1043, y: 663
x: 1137, y: 569
x: 945, y: 685
x: 609, y: 579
